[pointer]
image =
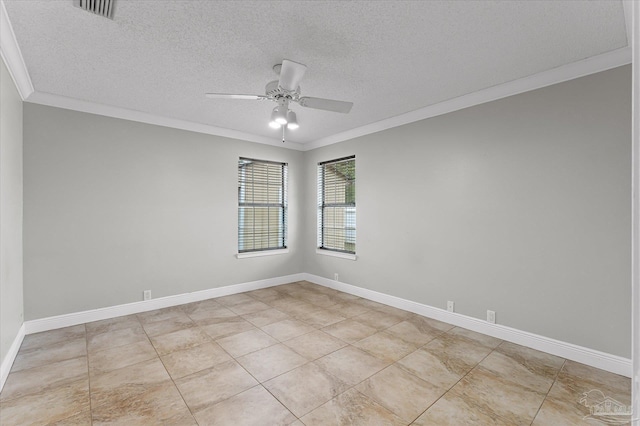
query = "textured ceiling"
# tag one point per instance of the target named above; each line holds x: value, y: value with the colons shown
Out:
x: 388, y: 57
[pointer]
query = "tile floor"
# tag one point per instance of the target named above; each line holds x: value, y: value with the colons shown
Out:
x: 293, y: 354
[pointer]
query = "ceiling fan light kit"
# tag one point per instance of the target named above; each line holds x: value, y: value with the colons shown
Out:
x: 279, y: 114
x: 287, y: 90
x: 292, y: 120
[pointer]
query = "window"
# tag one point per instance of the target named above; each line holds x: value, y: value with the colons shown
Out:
x: 262, y: 205
x: 337, y: 205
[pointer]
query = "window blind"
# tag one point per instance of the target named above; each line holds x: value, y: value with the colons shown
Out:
x: 262, y: 205
x: 337, y: 205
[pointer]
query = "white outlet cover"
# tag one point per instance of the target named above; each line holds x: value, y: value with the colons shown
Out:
x: 491, y: 317
x: 450, y: 306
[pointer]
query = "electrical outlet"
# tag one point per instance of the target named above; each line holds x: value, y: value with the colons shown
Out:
x: 450, y: 306
x: 146, y: 295
x: 335, y: 277
x: 491, y: 317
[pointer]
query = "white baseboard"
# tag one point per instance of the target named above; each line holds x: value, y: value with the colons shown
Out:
x: 594, y: 358
x: 67, y: 320
x: 7, y: 362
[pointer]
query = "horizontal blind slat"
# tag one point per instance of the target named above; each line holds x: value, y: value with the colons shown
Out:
x: 337, y: 205
x: 262, y: 205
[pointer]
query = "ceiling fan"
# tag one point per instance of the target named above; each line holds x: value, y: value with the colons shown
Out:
x: 284, y: 91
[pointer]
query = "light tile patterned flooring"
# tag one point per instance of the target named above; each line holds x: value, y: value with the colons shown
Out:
x: 293, y: 354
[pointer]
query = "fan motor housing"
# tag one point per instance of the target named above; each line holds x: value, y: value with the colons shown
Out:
x: 273, y: 90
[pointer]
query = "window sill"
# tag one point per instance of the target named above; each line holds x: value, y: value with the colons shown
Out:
x: 336, y: 254
x: 261, y: 253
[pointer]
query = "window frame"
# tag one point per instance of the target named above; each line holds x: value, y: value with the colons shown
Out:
x: 283, y: 221
x: 321, y: 206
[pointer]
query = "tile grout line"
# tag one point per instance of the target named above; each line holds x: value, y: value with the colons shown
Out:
x: 140, y: 362
x: 255, y: 378
x: 494, y: 349
x: 86, y: 342
x: 555, y: 379
x: 476, y: 366
x: 414, y: 375
x: 283, y: 343
x: 308, y: 362
x: 549, y: 390
x: 459, y: 380
x: 281, y: 402
x: 356, y: 347
x: 223, y: 349
x: 232, y: 357
x: 88, y: 378
x: 46, y: 364
x: 315, y: 328
x: 261, y: 383
x: 437, y: 335
x: 165, y: 367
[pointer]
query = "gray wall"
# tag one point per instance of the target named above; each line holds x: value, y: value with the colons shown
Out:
x: 11, y: 306
x: 114, y: 207
x: 521, y: 206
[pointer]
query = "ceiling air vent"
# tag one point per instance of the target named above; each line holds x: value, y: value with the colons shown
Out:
x: 99, y: 7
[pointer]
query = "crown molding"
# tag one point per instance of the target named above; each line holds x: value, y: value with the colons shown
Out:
x: 12, y: 57
x: 592, y: 65
x: 64, y: 102
x: 10, y: 53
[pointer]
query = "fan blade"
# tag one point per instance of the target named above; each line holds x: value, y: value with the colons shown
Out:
x: 290, y: 75
x: 230, y: 96
x: 326, y: 104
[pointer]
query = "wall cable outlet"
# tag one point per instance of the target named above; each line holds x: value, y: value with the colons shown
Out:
x: 450, y: 306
